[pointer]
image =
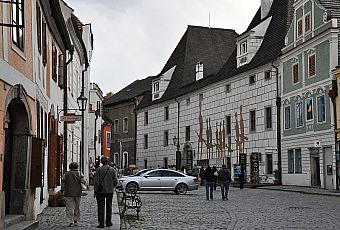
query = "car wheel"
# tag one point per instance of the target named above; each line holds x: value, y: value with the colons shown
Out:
x: 131, y: 187
x: 181, y: 189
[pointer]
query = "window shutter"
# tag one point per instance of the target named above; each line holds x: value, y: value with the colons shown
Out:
x: 52, y: 160
x: 296, y: 73
x: 307, y: 23
x: 311, y: 62
x: 299, y: 28
x: 37, y: 162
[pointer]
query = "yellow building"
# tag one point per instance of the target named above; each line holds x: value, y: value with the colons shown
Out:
x: 336, y: 73
x: 33, y: 44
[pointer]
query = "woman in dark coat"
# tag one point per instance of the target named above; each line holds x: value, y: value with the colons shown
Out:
x: 214, y: 170
x: 209, y: 183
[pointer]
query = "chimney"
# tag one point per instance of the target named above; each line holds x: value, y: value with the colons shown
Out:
x: 265, y: 7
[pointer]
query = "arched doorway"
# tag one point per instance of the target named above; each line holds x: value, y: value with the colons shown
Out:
x: 17, y: 152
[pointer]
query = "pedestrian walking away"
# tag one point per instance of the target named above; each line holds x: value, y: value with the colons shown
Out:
x: 224, y: 178
x: 215, y: 172
x: 209, y: 183
x: 201, y: 175
x: 105, y: 182
x: 73, y: 180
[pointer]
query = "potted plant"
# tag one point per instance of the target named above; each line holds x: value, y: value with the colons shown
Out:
x: 276, y: 176
x: 57, y: 200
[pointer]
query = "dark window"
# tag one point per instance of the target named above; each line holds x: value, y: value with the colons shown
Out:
x: 290, y: 161
x: 268, y: 117
x: 54, y: 63
x: 287, y: 117
x: 252, y: 79
x: 146, y: 118
x: 38, y: 17
x: 125, y: 124
x: 321, y: 106
x: 166, y: 138
x: 269, y: 161
x: 145, y: 163
x: 146, y: 141
x: 309, y: 108
x: 252, y: 120
x: 116, y: 127
x: 228, y: 118
x: 227, y: 88
x: 201, y: 97
x: 187, y: 133
x: 18, y: 23
x: 166, y: 113
x: 188, y: 101
x: 298, y: 163
x: 267, y: 75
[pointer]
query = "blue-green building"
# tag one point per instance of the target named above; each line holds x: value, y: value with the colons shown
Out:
x: 308, y: 137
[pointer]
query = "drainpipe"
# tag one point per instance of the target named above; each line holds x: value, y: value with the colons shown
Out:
x: 178, y: 153
x: 333, y: 93
x: 135, y: 101
x: 278, y: 124
x: 65, y: 106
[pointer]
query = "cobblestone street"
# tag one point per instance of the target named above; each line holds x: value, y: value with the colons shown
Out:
x: 245, y: 209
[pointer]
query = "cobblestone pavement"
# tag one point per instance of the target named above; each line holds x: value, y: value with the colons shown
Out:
x: 245, y: 209
x: 53, y: 218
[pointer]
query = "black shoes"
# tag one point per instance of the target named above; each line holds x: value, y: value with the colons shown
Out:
x: 100, y: 226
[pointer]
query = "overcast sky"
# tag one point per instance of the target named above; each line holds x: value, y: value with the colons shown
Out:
x: 133, y: 39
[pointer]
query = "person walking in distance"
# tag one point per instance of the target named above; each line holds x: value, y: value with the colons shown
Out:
x: 225, y: 178
x: 105, y: 182
x: 215, y: 172
x: 73, y: 180
x: 209, y: 183
x: 201, y: 175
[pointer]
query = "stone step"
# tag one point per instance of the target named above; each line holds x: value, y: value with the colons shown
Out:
x: 13, y: 219
x: 24, y: 225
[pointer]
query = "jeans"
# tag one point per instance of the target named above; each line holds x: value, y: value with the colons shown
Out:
x: 224, y: 189
x: 209, y: 188
x: 101, y: 207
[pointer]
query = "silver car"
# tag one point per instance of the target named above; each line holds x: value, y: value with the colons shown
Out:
x: 160, y: 180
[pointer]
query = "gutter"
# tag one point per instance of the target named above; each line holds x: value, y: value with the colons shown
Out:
x: 65, y: 106
x: 278, y: 124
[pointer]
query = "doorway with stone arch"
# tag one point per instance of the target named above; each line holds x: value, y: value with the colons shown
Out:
x: 17, y: 153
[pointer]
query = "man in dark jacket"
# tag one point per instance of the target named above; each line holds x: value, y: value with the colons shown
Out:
x: 225, y: 178
x: 105, y: 182
x: 209, y: 183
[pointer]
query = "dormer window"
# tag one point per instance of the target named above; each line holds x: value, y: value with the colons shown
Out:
x: 156, y: 87
x: 243, y: 48
x: 199, y: 70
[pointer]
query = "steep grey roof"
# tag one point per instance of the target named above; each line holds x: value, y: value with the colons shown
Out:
x: 136, y: 88
x: 273, y: 42
x: 212, y: 46
x: 333, y: 8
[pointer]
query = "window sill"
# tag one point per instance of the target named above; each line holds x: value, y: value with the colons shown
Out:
x: 19, y: 51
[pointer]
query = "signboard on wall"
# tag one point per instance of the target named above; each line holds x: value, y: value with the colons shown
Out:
x: 189, y: 161
x: 254, y: 164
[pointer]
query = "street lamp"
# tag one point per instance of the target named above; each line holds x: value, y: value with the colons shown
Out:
x: 82, y: 101
x: 178, y: 153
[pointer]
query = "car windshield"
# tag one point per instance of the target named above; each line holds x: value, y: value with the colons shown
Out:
x: 141, y: 172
